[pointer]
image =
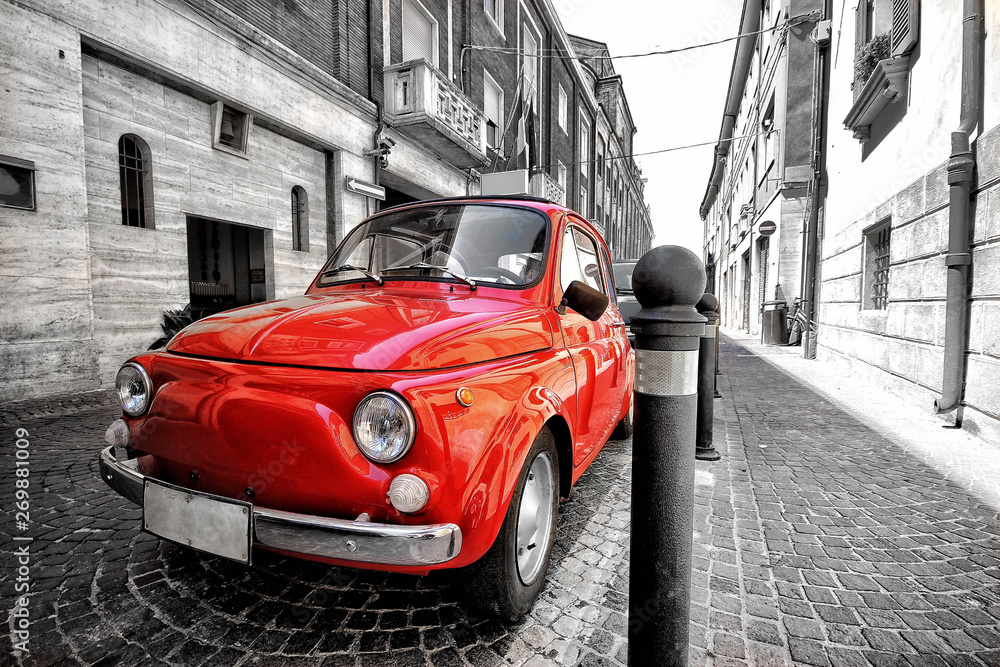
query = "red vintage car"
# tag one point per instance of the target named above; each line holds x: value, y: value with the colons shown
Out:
x: 450, y: 373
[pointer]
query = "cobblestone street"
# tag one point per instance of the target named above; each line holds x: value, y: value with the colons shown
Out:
x: 820, y: 539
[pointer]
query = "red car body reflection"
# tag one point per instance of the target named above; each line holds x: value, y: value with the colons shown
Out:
x: 256, y: 404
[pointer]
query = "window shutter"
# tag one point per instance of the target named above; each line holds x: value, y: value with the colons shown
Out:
x: 418, y: 34
x: 491, y: 102
x: 860, y: 25
x: 905, y: 25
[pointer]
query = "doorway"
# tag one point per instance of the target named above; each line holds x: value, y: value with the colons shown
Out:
x: 227, y: 265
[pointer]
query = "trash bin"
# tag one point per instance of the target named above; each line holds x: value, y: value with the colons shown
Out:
x: 775, y: 330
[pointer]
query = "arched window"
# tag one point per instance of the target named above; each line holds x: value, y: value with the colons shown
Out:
x: 300, y: 219
x: 136, y: 174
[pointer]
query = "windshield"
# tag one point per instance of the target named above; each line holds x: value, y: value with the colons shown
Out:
x: 623, y: 276
x: 492, y: 245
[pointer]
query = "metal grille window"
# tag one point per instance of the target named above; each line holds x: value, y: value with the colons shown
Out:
x: 877, y: 244
x: 300, y: 220
x: 136, y: 181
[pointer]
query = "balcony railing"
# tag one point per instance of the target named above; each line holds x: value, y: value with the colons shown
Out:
x: 422, y: 104
x: 543, y: 185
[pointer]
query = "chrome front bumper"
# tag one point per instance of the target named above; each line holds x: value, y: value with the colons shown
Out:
x: 358, y: 541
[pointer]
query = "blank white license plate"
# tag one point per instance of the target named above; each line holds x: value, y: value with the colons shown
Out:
x: 197, y: 520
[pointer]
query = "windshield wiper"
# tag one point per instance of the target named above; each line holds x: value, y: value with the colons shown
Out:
x: 423, y: 265
x: 348, y: 267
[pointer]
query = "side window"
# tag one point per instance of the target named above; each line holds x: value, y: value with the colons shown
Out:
x: 609, y: 278
x: 589, y: 261
x: 580, y: 261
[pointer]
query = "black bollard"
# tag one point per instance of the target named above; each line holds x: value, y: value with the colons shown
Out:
x: 704, y: 449
x: 668, y: 281
x: 718, y: 371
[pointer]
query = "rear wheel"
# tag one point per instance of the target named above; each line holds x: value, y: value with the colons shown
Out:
x: 509, y: 578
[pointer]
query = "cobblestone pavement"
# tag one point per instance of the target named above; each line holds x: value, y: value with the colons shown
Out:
x: 818, y: 540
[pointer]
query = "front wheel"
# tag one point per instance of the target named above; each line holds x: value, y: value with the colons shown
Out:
x: 509, y: 578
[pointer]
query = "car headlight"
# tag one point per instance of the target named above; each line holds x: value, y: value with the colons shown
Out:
x: 384, y: 427
x: 135, y: 389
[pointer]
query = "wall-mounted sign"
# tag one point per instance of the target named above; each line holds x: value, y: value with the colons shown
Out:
x: 366, y: 189
x: 766, y: 228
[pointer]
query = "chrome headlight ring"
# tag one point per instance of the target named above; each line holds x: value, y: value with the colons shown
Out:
x: 384, y: 427
x: 135, y: 389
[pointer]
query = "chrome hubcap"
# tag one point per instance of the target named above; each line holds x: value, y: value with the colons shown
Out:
x: 534, y: 518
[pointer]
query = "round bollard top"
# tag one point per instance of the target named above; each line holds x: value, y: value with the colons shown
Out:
x: 708, y: 304
x: 668, y: 275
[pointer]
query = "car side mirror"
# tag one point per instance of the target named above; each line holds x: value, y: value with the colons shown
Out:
x: 585, y: 300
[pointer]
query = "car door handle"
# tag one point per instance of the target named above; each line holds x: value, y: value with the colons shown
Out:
x: 618, y: 323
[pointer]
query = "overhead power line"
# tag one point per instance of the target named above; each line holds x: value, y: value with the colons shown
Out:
x: 562, y: 55
x: 661, y: 150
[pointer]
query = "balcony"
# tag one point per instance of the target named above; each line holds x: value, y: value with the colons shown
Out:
x: 886, y: 85
x: 543, y: 185
x: 423, y: 105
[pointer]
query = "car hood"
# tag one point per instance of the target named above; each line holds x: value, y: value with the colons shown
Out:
x: 372, y: 331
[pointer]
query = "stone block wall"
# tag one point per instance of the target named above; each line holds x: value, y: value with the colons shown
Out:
x: 902, y: 346
x: 138, y: 273
x: 46, y: 329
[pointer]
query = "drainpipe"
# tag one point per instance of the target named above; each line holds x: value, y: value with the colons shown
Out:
x: 960, y: 172
x: 820, y: 91
x: 373, y: 68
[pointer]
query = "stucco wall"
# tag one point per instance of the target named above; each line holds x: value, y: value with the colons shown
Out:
x: 901, y: 175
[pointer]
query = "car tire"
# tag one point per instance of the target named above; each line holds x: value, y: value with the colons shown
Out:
x: 510, y: 577
x: 623, y: 430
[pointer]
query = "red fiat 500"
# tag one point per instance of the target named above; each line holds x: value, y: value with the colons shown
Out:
x: 450, y: 373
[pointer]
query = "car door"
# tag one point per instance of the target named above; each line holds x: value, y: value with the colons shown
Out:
x: 596, y: 358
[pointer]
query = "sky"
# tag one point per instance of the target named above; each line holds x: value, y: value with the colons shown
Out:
x: 676, y: 100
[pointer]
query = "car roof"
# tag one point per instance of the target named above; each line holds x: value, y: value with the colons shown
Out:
x: 496, y: 199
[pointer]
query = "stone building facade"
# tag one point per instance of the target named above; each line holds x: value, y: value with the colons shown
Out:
x: 891, y: 98
x: 761, y: 173
x: 886, y: 237
x: 197, y: 151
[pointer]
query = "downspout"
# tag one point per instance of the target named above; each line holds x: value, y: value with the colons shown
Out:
x: 820, y: 86
x: 749, y: 24
x: 961, y: 166
x: 379, y: 120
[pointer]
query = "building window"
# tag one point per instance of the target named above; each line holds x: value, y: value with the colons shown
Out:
x: 876, y: 275
x: 561, y: 175
x: 563, y: 109
x: 136, y: 179
x: 493, y: 108
x: 420, y: 33
x: 494, y: 9
x: 584, y: 146
x: 300, y: 220
x: 583, y: 200
x: 530, y: 61
x: 17, y: 183
x: 230, y: 129
x: 600, y: 158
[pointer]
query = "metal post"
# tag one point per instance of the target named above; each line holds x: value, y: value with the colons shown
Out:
x: 718, y: 371
x: 704, y: 449
x: 668, y: 281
